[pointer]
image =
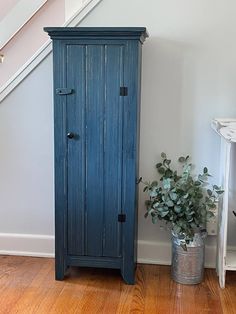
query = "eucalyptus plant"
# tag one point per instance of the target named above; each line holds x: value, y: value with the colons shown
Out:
x: 181, y: 199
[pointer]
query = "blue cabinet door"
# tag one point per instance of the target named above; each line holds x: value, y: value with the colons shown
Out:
x: 94, y: 114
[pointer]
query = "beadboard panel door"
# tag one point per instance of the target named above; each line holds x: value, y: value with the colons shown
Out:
x: 94, y: 115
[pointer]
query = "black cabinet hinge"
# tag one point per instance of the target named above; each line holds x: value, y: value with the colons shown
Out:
x: 123, y: 91
x: 122, y: 217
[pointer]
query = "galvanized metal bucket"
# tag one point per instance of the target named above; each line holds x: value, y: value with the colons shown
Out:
x: 188, y: 266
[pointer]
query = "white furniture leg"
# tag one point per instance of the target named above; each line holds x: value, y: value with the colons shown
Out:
x: 223, y: 211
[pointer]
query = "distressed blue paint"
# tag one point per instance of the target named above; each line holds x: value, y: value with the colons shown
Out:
x: 94, y: 150
x: 96, y: 170
x: 130, y: 151
x: 113, y: 144
x: 60, y: 162
x: 76, y: 77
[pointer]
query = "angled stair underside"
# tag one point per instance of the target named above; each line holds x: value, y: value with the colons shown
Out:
x: 44, y: 51
x: 18, y: 16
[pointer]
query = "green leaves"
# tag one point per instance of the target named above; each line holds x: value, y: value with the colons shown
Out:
x: 166, y: 183
x: 179, y: 198
x: 177, y: 209
x: 145, y: 189
x: 154, y: 184
x: 167, y: 162
x: 209, y: 215
x: 168, y: 173
x: 218, y: 190
x: 139, y: 180
x: 209, y: 192
x: 173, y: 196
x: 186, y: 195
x: 170, y: 203
x: 161, y: 170
x: 211, y: 205
x: 163, y: 155
x: 164, y: 213
x: 199, y: 195
x: 153, y: 193
x: 181, y: 159
x: 202, y: 178
x: 176, y: 229
x: 154, y: 219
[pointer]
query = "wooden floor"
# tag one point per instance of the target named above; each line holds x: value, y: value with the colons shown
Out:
x: 27, y: 285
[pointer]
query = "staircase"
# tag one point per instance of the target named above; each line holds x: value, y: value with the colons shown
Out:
x: 25, y: 45
x: 16, y: 17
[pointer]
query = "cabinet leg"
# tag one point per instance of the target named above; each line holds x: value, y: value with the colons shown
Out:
x: 59, y: 271
x: 128, y: 274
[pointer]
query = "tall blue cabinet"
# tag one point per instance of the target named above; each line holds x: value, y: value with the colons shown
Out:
x: 97, y: 75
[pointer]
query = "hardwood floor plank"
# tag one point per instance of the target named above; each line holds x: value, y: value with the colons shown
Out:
x: 27, y: 286
x: 43, y: 288
x: 20, y: 274
x: 151, y: 287
x: 228, y: 295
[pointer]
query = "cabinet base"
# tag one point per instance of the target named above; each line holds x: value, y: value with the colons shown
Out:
x: 127, y: 273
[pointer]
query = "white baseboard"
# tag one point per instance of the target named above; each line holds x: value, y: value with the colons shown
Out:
x: 149, y: 252
x: 27, y: 244
x: 154, y: 252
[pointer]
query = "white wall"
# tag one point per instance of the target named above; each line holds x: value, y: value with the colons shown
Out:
x: 18, y: 50
x: 26, y: 165
x: 189, y: 77
x: 71, y: 6
x: 17, y: 17
x: 6, y: 7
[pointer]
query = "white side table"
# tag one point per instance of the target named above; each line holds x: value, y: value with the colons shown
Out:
x: 226, y: 259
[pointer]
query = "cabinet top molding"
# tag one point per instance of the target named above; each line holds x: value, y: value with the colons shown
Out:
x: 138, y: 33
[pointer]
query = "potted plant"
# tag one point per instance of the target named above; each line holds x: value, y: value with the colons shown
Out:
x: 183, y: 200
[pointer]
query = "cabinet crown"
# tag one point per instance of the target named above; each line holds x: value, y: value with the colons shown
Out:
x: 138, y: 33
